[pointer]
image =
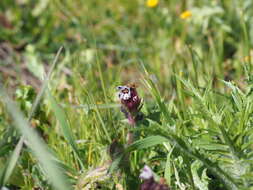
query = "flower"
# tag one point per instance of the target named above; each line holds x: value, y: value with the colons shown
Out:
x: 146, y: 173
x: 152, y: 3
x: 246, y: 58
x: 149, y: 182
x: 131, y: 103
x: 186, y: 14
x: 129, y: 98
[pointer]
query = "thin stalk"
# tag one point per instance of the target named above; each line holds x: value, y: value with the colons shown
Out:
x: 246, y: 41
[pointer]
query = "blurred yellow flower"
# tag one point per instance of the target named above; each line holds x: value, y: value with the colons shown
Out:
x: 185, y: 14
x: 152, y: 3
x: 247, y: 58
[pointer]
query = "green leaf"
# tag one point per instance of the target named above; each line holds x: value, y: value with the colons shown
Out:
x: 168, y: 167
x: 200, y: 183
x: 137, y: 145
x: 146, y: 143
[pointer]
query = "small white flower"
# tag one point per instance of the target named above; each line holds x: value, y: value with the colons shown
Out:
x: 124, y: 92
x: 146, y: 173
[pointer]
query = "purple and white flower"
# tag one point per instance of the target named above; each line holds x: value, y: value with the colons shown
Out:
x: 146, y: 173
x: 149, y: 182
x: 129, y: 98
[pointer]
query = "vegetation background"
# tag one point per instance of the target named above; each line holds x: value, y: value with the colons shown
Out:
x: 191, y: 60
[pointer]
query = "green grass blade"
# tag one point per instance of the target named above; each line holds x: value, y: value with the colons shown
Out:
x: 44, y: 85
x: 66, y: 130
x: 16, y: 153
x: 157, y: 96
x: 36, y: 144
x: 11, y: 163
x: 89, y: 107
x: 195, y: 60
x: 105, y: 129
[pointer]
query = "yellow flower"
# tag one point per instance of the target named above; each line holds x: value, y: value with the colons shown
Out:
x: 152, y: 3
x: 246, y: 59
x: 185, y: 14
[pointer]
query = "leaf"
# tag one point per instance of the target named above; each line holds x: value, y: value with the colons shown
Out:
x: 168, y: 173
x: 146, y: 143
x: 155, y: 116
x: 137, y: 145
x: 237, y: 94
x: 201, y: 184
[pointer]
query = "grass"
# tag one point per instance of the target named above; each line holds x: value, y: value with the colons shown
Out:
x: 66, y: 131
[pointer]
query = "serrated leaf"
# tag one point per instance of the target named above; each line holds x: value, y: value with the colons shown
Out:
x: 199, y: 182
